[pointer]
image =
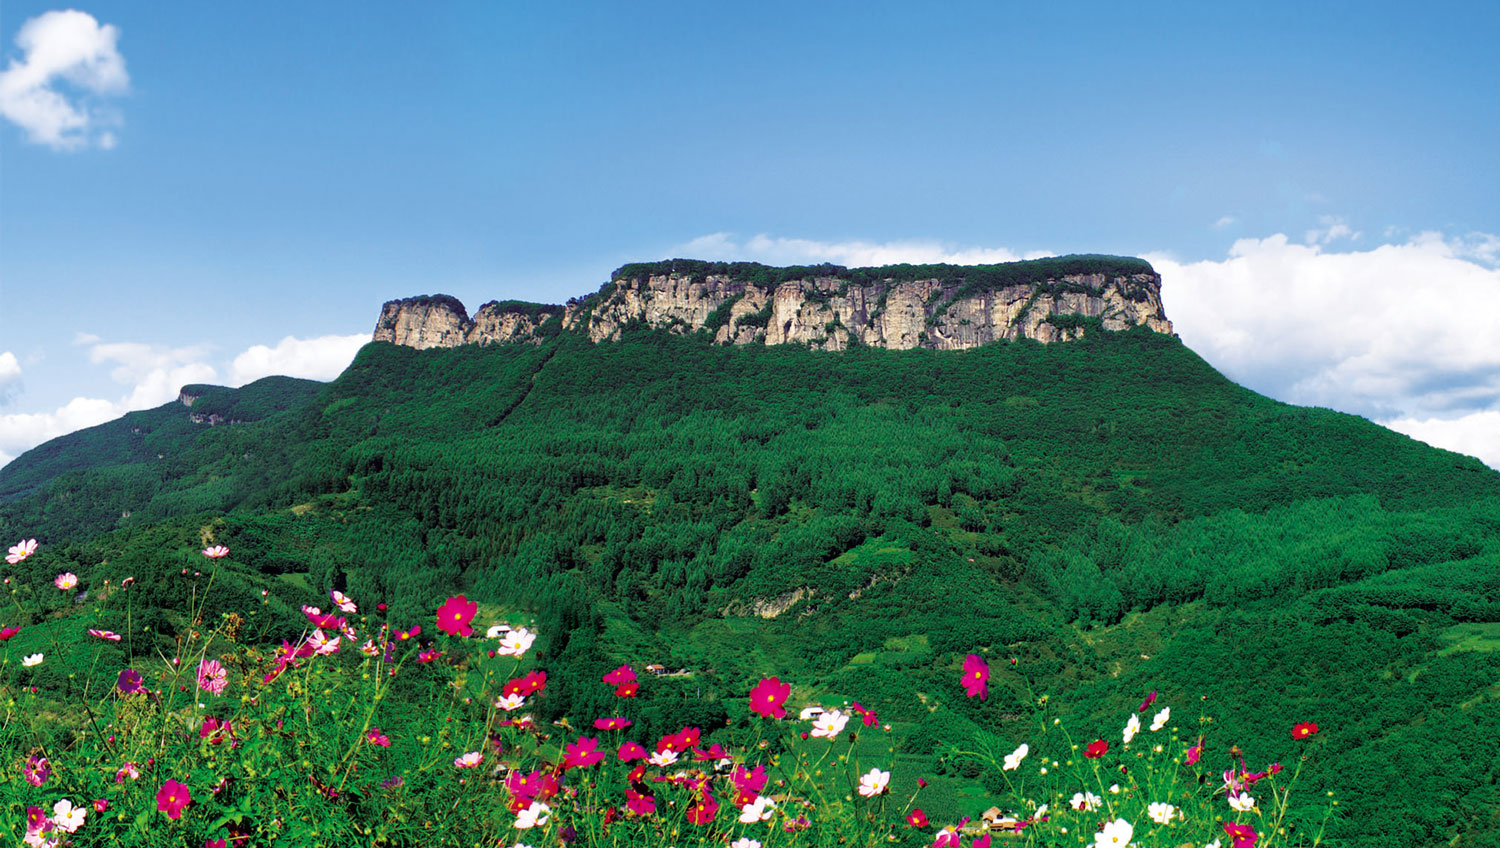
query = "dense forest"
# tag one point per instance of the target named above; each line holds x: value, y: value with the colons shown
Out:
x: 1111, y: 512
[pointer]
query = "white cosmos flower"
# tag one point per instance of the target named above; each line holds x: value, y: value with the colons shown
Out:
x: 662, y: 759
x: 343, y: 602
x: 1132, y: 727
x: 535, y: 815
x: 1014, y: 758
x: 1241, y: 801
x: 1161, y: 813
x: 510, y: 702
x: 1116, y: 834
x: 1114, y: 789
x: 1161, y: 719
x: 1213, y: 844
x: 745, y: 842
x: 809, y: 713
x: 761, y: 809
x: 874, y: 783
x: 830, y: 724
x: 34, y: 659
x: 516, y: 643
x: 1086, y: 801
x: 322, y: 645
x: 496, y: 631
x: 68, y: 817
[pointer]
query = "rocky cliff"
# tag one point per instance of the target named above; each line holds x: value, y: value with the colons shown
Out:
x: 942, y: 307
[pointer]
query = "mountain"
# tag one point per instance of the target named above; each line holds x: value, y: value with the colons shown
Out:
x: 1110, y: 511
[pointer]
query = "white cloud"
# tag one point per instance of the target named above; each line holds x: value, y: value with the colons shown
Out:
x: 154, y: 373
x: 22, y: 431
x: 1398, y: 332
x: 1333, y: 229
x: 321, y: 358
x: 63, y: 47
x: 1227, y: 220
x: 10, y: 376
x: 1476, y: 434
x: 854, y: 254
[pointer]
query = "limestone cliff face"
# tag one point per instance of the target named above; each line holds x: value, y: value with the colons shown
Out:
x: 441, y: 321
x: 827, y: 307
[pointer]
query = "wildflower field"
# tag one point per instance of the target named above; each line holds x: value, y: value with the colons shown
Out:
x: 362, y: 731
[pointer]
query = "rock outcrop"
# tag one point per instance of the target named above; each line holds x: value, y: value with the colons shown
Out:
x: 939, y: 307
x: 441, y: 321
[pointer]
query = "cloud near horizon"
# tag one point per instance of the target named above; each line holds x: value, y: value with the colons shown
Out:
x: 154, y: 374
x: 69, y: 64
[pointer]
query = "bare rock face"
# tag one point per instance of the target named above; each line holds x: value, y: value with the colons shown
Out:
x: 423, y: 322
x: 442, y: 321
x: 960, y: 307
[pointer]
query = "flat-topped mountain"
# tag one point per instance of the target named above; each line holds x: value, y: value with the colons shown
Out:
x: 826, y: 307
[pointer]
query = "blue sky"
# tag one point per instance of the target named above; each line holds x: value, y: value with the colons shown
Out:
x: 249, y: 183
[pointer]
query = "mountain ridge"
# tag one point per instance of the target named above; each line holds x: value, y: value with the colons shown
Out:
x: 826, y: 307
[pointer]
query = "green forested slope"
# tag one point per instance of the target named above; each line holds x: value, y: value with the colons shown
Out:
x: 1112, y: 512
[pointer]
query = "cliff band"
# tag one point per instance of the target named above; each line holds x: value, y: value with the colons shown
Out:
x: 828, y: 307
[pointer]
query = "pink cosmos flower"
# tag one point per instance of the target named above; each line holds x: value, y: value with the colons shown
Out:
x: 216, y: 552
x: 469, y: 760
x: 623, y: 674
x: 454, y: 615
x: 129, y: 770
x: 65, y: 581
x: 322, y: 645
x: 611, y: 723
x: 429, y: 655
x: 343, y: 602
x: 321, y: 621
x: 976, y: 676
x: 703, y: 810
x: 101, y: 805
x: 20, y: 551
x: 641, y: 805
x: 768, y: 696
x: 105, y: 634
x: 1195, y: 752
x: 212, y: 678
x: 916, y: 818
x: 35, y: 770
x: 583, y: 753
x: 1244, y: 836
x: 7, y: 632
x: 172, y: 797
x: 632, y: 751
x: 1146, y: 705
x: 375, y: 737
x: 627, y: 690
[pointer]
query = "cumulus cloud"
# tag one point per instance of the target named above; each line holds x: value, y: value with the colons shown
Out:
x: 1398, y: 333
x: 1333, y: 228
x: 1476, y: 434
x: 10, y: 377
x: 322, y: 358
x: 20, y: 432
x: 69, y: 63
x: 795, y: 251
x: 154, y: 373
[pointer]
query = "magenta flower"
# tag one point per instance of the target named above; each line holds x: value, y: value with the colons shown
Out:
x: 105, y: 634
x: 583, y: 753
x: 632, y: 751
x: 212, y: 678
x: 216, y: 552
x: 611, y: 723
x: 172, y: 797
x: 454, y: 615
x: 7, y: 632
x: 641, y: 805
x: 375, y: 737
x: 767, y: 697
x: 35, y: 770
x: 1146, y: 705
x: 976, y: 678
x: 129, y: 681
